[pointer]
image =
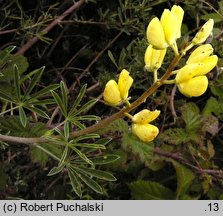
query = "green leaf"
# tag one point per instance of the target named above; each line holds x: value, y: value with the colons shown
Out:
x: 78, y: 124
x: 66, y: 130
x: 118, y: 125
x: 64, y: 156
x: 22, y: 116
x: 86, y: 117
x: 34, y: 81
x: 90, y: 183
x: 175, y: 136
x: 41, y: 157
x: 77, y: 101
x: 38, y: 111
x: 59, y: 103
x: 138, y: 148
x: 96, y: 173
x: 105, y: 159
x: 64, y: 94
x: 86, y: 106
x: 6, y: 97
x: 41, y: 102
x: 87, y: 136
x: 148, y: 190
x: 110, y: 55
x: 185, y: 178
x: 8, y: 65
x: 213, y: 106
x: 44, y: 91
x: 80, y: 154
x: 14, y: 125
x: 55, y: 170
x: 75, y: 183
x: 90, y: 145
x: 191, y: 116
x: 17, y: 83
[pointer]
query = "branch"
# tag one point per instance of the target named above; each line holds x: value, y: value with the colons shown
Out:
x: 55, y: 22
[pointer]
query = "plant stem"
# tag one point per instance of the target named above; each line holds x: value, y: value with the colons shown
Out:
x: 105, y: 122
x: 55, y: 22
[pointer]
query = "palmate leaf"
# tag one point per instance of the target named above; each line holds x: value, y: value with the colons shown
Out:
x: 105, y: 159
x: 64, y: 156
x: 74, y: 180
x: 56, y: 170
x: 22, y: 116
x: 80, y: 154
x: 17, y: 83
x: 78, y: 100
x: 90, y: 182
x: 59, y: 103
x: 38, y: 111
x: 86, y: 106
x: 44, y: 91
x: 96, y: 173
x: 34, y: 81
x: 6, y: 97
x: 64, y: 92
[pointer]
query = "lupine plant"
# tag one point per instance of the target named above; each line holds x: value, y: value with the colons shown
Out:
x: 78, y: 146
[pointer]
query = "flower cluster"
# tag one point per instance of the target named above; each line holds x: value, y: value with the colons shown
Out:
x: 191, y: 79
x: 116, y: 93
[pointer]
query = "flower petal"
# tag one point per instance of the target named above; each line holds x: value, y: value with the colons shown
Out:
x: 145, y: 116
x: 170, y: 25
x: 111, y: 93
x: 187, y: 72
x: 145, y: 132
x: 204, y: 32
x: 124, y: 83
x: 194, y: 87
x: 179, y: 13
x: 155, y: 34
x: 200, y: 53
x: 207, y: 65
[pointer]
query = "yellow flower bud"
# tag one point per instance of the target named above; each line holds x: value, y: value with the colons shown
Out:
x: 124, y: 83
x: 145, y: 116
x: 204, y: 32
x: 111, y: 93
x: 194, y: 87
x: 145, y: 132
x: 153, y: 58
x: 155, y: 34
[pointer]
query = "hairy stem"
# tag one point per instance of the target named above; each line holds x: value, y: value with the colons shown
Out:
x: 55, y: 22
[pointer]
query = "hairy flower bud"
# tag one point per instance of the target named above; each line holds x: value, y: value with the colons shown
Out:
x: 153, y: 58
x: 204, y: 32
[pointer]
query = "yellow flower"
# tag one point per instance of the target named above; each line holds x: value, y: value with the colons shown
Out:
x: 141, y: 127
x: 204, y: 32
x: 191, y: 79
x: 153, y: 58
x: 114, y: 92
x: 164, y: 32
